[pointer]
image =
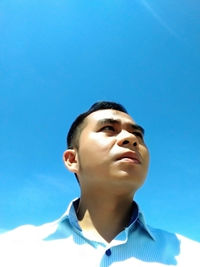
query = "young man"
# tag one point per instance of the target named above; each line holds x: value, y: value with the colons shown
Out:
x: 104, y: 227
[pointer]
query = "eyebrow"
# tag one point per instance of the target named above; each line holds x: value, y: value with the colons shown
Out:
x: 114, y: 121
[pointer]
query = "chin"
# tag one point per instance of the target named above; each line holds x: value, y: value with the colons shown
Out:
x: 128, y: 179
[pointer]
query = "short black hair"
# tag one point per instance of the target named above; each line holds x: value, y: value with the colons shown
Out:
x: 77, y: 125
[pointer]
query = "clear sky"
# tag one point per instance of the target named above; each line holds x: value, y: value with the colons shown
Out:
x: 57, y: 58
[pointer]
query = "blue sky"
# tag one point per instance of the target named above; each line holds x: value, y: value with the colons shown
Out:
x: 57, y: 58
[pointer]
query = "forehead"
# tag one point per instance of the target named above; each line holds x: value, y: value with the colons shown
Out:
x: 100, y: 115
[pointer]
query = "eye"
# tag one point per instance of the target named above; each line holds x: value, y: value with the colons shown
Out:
x: 108, y: 128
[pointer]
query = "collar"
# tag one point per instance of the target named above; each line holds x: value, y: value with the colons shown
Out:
x: 136, y: 217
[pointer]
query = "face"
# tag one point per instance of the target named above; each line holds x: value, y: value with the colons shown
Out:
x: 111, y: 152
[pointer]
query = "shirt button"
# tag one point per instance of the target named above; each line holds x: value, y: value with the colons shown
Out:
x: 108, y: 252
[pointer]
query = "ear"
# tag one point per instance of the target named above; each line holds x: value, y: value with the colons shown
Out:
x: 70, y: 158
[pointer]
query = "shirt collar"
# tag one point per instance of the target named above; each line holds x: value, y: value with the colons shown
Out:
x: 137, y: 216
x: 141, y: 221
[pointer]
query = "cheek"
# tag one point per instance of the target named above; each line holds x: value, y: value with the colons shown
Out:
x: 96, y: 143
x: 145, y: 154
x: 147, y: 158
x: 94, y: 151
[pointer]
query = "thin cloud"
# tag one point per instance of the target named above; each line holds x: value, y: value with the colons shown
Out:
x: 53, y: 182
x: 44, y: 188
x: 158, y: 18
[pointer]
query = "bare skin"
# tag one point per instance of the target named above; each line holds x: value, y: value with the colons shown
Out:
x: 104, y: 217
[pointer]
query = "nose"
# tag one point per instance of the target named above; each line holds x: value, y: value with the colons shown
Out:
x: 126, y: 138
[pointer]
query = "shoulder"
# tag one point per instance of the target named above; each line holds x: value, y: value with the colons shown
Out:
x: 188, y: 244
x: 189, y: 254
x: 28, y: 232
x: 163, y: 235
x: 184, y: 248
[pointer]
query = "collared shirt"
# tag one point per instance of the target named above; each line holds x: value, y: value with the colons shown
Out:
x: 62, y: 243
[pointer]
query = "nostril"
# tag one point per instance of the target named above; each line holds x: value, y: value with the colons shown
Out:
x: 135, y: 144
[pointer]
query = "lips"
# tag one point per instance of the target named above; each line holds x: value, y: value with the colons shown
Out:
x: 130, y: 157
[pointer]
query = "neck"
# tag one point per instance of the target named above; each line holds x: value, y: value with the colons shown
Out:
x: 104, y: 217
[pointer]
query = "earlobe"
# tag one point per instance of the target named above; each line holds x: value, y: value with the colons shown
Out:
x: 70, y: 160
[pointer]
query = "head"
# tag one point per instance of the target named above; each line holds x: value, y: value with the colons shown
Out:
x: 106, y: 148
